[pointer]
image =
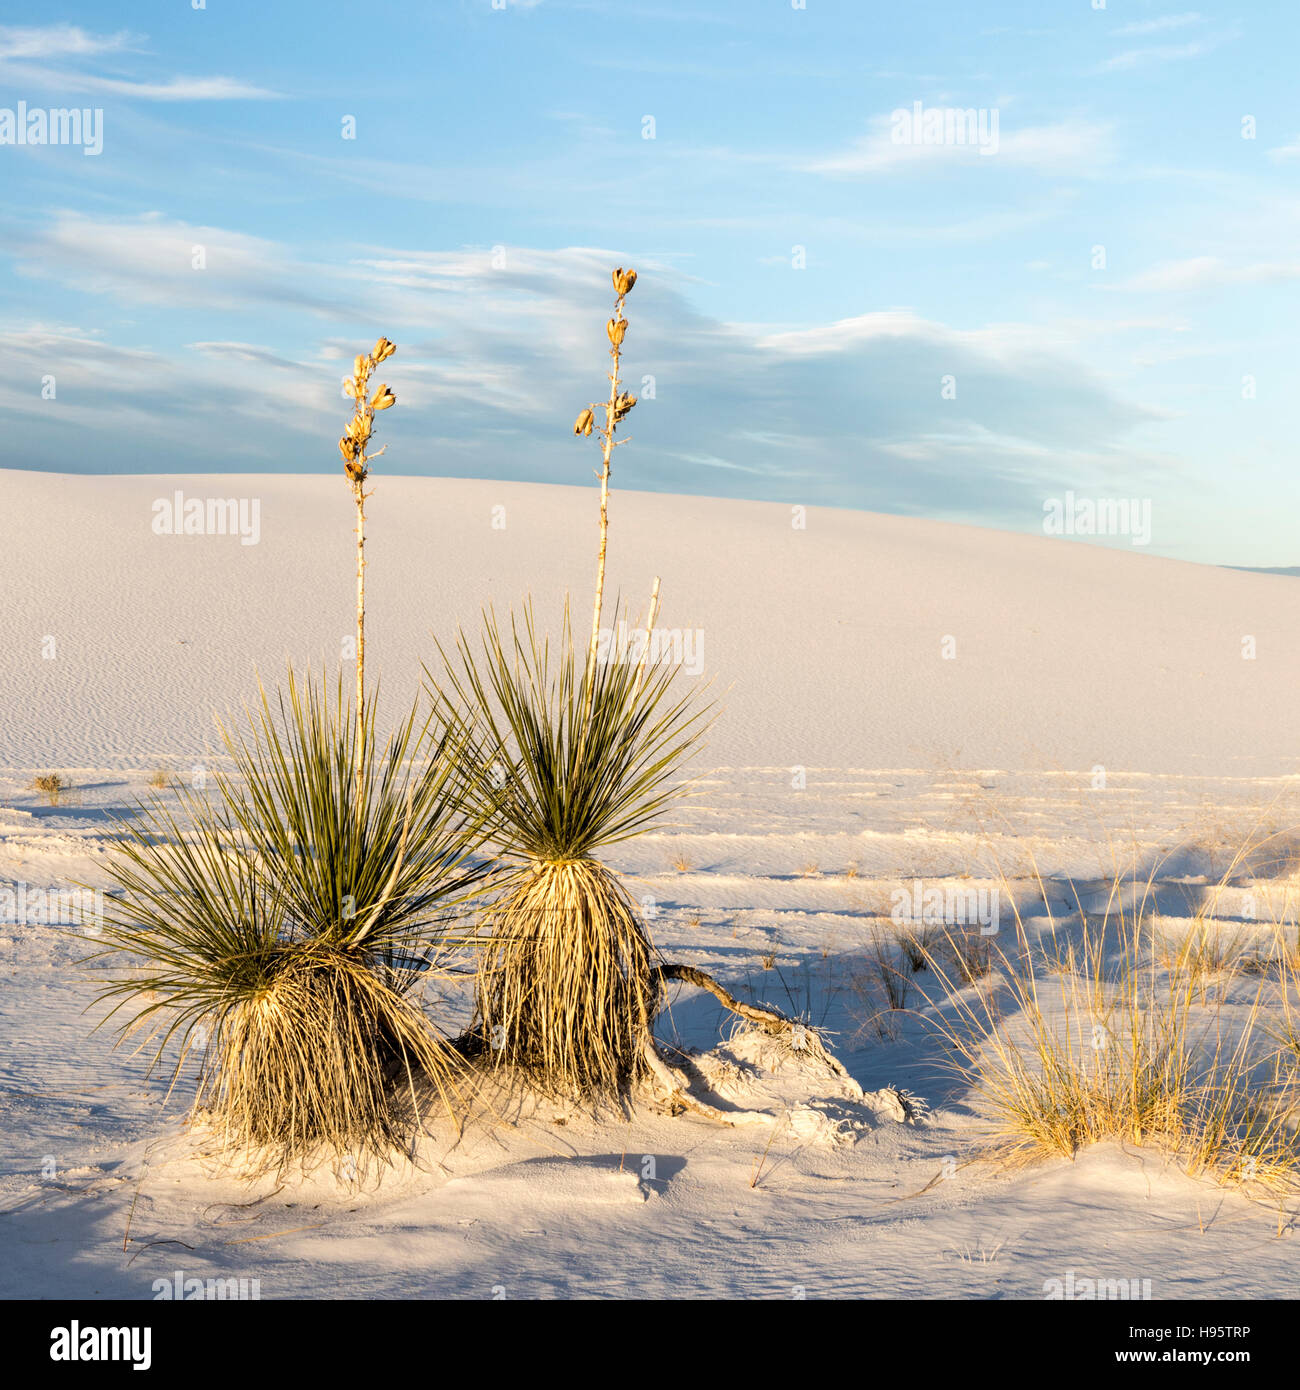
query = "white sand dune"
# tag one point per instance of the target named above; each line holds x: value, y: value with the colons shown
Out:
x: 829, y: 638
x: 828, y: 644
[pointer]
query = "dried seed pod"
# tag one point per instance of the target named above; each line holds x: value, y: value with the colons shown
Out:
x: 614, y: 331
x: 623, y: 404
x: 382, y: 351
x: 583, y: 424
x: 382, y: 399
x: 361, y: 367
x: 350, y: 387
x: 347, y: 449
x: 624, y: 280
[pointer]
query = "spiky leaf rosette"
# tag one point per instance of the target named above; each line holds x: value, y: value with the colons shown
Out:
x: 546, y: 785
x: 566, y: 989
x: 279, y: 926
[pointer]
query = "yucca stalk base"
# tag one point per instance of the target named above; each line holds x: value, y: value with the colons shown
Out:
x: 569, y: 993
x: 572, y: 993
x: 324, y: 1056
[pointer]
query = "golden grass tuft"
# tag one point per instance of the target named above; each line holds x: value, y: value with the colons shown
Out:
x: 51, y: 786
x: 1112, y: 1046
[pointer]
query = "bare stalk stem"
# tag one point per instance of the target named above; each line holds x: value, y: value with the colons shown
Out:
x: 649, y: 632
x: 607, y: 434
x: 361, y: 610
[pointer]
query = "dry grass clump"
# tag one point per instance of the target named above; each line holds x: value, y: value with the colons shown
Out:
x: 51, y: 786
x: 1209, y: 951
x: 881, y: 985
x: 280, y: 930
x: 971, y: 954
x: 893, y: 973
x: 1117, y: 1048
x: 916, y: 943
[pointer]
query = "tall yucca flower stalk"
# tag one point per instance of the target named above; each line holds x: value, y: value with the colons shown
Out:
x: 615, y: 408
x: 353, y: 445
x: 562, y: 762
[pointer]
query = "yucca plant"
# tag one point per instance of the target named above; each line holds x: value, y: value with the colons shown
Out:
x: 280, y: 927
x: 566, y: 756
x: 567, y: 989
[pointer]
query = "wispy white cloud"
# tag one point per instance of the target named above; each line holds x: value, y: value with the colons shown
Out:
x: 1157, y: 54
x: 26, y: 55
x: 1066, y: 147
x: 1162, y: 24
x: 173, y: 89
x: 58, y: 41
x: 1209, y: 272
x: 179, y: 265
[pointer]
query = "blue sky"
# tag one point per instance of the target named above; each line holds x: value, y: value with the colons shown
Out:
x: 809, y: 280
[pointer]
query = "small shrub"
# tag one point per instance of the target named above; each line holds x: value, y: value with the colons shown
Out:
x: 916, y: 943
x: 971, y: 955
x: 1114, y: 1054
x: 51, y: 786
x: 885, y: 964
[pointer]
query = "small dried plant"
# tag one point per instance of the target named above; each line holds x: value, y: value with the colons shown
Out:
x: 972, y: 954
x: 916, y: 944
x: 894, y: 975
x: 51, y: 786
x: 354, y: 445
x: 1209, y: 952
x: 1098, y: 1045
